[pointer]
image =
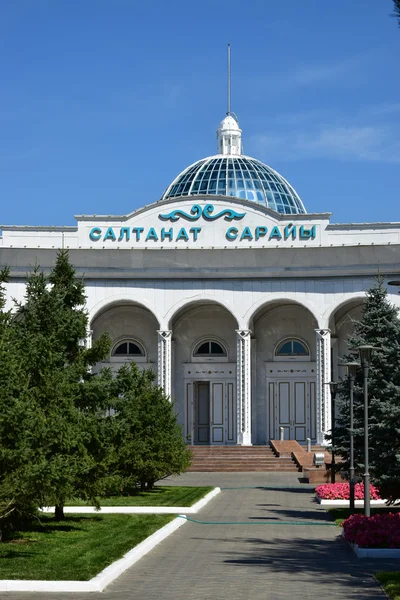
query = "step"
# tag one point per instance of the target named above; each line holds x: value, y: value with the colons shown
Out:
x: 236, y: 459
x: 242, y: 461
x: 229, y: 469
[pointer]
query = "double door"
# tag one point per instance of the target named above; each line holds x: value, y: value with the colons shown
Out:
x: 213, y: 412
x: 293, y: 407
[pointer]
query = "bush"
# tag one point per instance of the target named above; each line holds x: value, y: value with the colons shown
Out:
x: 148, y: 442
x: 378, y: 531
x: 341, y: 491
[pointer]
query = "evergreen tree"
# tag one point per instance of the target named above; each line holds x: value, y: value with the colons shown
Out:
x: 19, y: 422
x: 148, y: 440
x: 380, y: 327
x: 51, y: 325
x: 397, y: 9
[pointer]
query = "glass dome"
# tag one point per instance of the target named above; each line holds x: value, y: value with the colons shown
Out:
x: 238, y: 176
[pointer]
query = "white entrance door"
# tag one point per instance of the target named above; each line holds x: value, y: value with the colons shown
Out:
x: 217, y: 423
x: 291, y: 400
x: 292, y: 405
x: 213, y: 412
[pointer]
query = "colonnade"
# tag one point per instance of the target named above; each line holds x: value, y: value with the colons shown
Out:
x: 244, y: 379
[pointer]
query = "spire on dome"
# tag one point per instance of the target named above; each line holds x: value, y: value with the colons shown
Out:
x: 229, y: 134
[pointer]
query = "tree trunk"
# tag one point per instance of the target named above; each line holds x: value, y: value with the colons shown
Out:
x: 59, y: 513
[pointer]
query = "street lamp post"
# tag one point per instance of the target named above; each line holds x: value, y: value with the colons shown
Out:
x: 351, y: 368
x: 333, y: 386
x: 365, y: 359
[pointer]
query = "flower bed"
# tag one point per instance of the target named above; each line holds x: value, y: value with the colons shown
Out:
x: 378, y: 531
x: 341, y: 491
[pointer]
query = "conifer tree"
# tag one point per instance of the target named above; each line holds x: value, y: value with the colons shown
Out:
x: 397, y: 9
x: 380, y: 327
x: 19, y: 422
x: 51, y: 325
x: 148, y: 440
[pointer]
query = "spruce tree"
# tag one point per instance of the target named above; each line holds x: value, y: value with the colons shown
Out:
x: 380, y: 327
x: 397, y: 9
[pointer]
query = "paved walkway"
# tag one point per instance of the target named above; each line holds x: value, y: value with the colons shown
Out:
x: 254, y: 556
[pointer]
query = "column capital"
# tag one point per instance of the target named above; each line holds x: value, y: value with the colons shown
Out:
x: 164, y: 333
x: 322, y: 332
x: 243, y: 333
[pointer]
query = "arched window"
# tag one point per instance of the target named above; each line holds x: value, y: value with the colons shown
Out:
x: 128, y: 348
x: 210, y: 349
x: 292, y: 347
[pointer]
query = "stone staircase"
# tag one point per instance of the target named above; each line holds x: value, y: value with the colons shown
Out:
x: 238, y: 459
x: 303, y: 459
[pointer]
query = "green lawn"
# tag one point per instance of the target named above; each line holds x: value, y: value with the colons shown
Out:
x: 340, y: 514
x: 77, y: 548
x: 390, y: 581
x: 159, y: 496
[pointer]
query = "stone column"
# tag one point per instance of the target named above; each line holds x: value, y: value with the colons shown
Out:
x: 86, y: 342
x: 243, y: 381
x: 164, y: 360
x: 323, y: 343
x: 89, y: 338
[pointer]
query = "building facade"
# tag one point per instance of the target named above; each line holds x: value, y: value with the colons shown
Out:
x: 238, y: 298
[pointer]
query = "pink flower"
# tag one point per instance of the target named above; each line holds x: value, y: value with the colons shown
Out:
x: 378, y: 531
x: 341, y: 491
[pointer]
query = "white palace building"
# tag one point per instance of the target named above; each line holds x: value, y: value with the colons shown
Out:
x: 238, y: 298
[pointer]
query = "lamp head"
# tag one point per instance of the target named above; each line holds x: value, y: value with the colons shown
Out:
x: 351, y: 368
x: 366, y: 352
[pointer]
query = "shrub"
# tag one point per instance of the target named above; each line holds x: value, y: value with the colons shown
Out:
x: 341, y: 491
x: 378, y: 531
x: 148, y: 441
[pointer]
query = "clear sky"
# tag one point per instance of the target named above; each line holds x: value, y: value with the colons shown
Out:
x: 104, y: 102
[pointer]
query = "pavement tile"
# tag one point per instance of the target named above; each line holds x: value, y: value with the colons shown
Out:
x: 256, y: 557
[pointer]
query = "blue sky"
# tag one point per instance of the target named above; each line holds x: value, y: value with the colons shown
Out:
x: 104, y: 102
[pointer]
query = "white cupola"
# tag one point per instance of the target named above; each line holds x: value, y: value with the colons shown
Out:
x: 229, y: 136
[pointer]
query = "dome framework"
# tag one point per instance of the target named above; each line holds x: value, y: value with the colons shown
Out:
x: 238, y: 176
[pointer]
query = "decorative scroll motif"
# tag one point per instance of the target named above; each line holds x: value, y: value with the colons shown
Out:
x: 323, y: 377
x: 206, y: 212
x: 244, y: 386
x: 164, y: 360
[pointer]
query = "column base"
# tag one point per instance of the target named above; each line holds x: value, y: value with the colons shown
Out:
x: 244, y: 439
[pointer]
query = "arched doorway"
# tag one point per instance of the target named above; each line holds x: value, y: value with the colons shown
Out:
x: 204, y: 373
x: 285, y: 373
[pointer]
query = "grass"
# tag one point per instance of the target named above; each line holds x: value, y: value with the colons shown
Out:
x: 340, y: 514
x: 390, y: 581
x: 75, y: 549
x: 159, y: 496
